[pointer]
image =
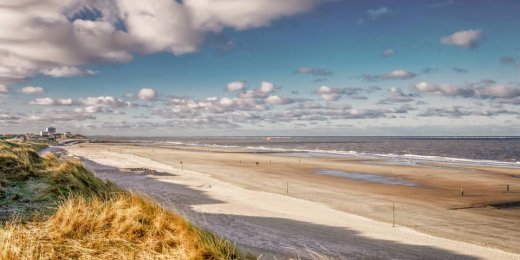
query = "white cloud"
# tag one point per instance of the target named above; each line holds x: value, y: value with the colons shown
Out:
x: 235, y: 86
x: 266, y: 87
x: 147, y: 94
x: 4, y: 89
x: 395, y: 74
x: 399, y: 74
x: 330, y: 96
x: 333, y: 94
x: 396, y: 95
x: 388, y: 52
x: 105, y: 101
x: 67, y: 71
x: 214, y: 15
x: 469, y: 39
x: 47, y: 37
x: 29, y: 90
x: 278, y: 100
x: 486, y: 90
x: 375, y: 14
x: 52, y: 102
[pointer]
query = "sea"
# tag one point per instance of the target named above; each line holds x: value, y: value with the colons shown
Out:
x: 496, y: 151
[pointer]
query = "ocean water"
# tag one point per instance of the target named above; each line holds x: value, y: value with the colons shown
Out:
x: 479, y: 150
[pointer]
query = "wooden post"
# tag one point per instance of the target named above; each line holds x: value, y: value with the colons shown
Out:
x: 287, y: 188
x: 393, y: 214
x: 461, y: 192
x: 182, y: 166
x: 507, y: 188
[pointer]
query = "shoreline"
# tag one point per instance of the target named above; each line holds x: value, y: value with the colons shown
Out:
x: 301, y: 192
x: 306, y: 153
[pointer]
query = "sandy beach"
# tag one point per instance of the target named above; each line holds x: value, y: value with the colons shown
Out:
x: 289, y: 207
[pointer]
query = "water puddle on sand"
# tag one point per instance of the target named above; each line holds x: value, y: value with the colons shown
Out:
x: 365, y: 177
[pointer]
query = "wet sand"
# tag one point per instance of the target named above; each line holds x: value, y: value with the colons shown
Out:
x: 281, y: 207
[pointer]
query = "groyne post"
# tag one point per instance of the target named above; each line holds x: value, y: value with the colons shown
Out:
x: 507, y: 188
x: 393, y: 214
x: 461, y: 192
x: 287, y: 187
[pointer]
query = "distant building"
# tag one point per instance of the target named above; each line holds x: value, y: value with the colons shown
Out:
x: 50, y: 130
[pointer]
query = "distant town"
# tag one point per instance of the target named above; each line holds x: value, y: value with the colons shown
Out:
x: 49, y: 135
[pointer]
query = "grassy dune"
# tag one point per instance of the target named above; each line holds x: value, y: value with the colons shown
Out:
x: 52, y: 209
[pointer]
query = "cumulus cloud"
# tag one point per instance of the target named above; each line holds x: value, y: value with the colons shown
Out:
x: 104, y: 101
x: 236, y: 86
x: 313, y: 71
x: 147, y: 94
x: 388, y: 53
x: 460, y: 111
x: 266, y: 87
x: 29, y: 90
x: 47, y: 101
x: 329, y: 94
x: 4, y: 89
x: 468, y: 39
x: 401, y: 74
x: 375, y: 14
x: 52, y: 37
x: 101, y: 104
x: 9, y: 118
x: 66, y: 71
x: 278, y: 100
x: 481, y: 90
x: 397, y: 95
x: 333, y: 94
x: 184, y: 107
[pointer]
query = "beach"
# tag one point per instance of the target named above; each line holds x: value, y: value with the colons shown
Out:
x: 277, y: 205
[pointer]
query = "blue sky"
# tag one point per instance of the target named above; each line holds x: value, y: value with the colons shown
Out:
x: 337, y: 67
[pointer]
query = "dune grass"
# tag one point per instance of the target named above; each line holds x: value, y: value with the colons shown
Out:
x: 90, y: 218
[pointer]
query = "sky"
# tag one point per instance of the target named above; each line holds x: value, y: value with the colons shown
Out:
x: 261, y: 67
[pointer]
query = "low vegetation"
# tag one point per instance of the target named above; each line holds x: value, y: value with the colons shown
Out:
x: 53, y: 209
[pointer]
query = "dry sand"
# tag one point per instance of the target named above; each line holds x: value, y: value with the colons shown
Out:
x: 248, y: 203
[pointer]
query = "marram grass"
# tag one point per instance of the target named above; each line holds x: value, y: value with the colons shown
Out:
x: 93, y: 219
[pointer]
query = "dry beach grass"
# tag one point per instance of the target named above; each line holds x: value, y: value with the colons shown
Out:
x: 88, y: 218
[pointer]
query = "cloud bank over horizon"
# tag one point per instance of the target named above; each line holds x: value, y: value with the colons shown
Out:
x: 259, y: 66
